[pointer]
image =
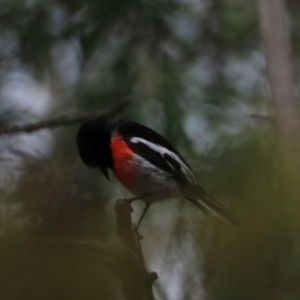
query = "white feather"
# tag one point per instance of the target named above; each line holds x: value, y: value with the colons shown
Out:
x: 162, y: 150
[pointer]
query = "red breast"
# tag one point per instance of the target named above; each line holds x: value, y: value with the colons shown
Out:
x: 122, y: 156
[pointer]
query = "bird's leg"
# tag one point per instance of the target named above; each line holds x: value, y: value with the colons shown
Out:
x: 145, y: 209
x: 143, y: 214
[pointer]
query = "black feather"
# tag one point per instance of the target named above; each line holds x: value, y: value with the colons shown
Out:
x: 197, y: 194
x: 129, y: 129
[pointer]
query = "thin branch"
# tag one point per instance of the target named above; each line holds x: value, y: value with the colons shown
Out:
x: 62, y: 120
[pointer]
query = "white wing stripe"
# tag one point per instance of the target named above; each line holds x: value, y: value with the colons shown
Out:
x: 162, y: 150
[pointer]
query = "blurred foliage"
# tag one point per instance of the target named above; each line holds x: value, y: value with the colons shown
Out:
x: 67, y: 269
x: 194, y: 70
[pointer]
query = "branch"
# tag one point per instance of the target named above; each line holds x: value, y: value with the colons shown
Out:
x: 63, y: 120
x: 130, y: 237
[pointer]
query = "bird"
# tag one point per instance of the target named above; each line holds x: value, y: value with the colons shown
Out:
x: 144, y: 162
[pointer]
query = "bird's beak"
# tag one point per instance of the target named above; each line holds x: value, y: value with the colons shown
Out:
x: 104, y: 171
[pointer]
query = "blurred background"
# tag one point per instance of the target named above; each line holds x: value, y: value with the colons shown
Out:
x: 196, y: 72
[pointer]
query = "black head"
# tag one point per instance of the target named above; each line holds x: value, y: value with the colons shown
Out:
x: 93, y: 143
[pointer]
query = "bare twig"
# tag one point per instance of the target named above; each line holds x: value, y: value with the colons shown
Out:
x: 62, y: 120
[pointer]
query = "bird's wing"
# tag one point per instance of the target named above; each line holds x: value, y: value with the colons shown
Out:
x: 163, y: 158
x: 153, y: 147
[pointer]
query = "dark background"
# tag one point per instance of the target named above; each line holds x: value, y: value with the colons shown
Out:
x: 195, y: 71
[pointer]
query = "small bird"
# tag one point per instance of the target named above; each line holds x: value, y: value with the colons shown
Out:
x: 144, y: 162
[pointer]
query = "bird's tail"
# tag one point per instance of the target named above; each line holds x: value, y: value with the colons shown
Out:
x: 203, y: 201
